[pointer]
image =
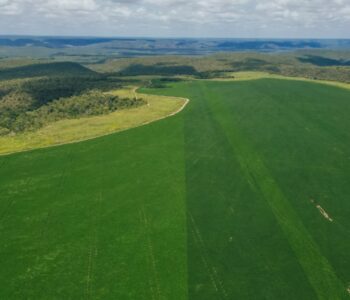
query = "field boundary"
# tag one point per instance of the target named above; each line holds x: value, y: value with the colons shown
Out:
x: 186, y: 101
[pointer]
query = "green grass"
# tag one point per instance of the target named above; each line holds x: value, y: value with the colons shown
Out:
x: 216, y: 202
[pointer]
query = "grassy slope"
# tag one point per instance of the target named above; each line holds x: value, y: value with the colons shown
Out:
x: 213, y: 203
x: 68, y: 131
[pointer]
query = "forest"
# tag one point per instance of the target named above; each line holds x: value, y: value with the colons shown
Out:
x: 36, y: 95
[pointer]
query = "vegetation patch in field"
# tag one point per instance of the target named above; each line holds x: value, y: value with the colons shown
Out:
x: 93, y: 103
x: 142, y: 109
x: 29, y: 104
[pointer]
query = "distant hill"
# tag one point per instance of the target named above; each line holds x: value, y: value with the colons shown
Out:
x: 34, y: 95
x: 48, y: 69
x: 144, y: 46
x: 324, y: 61
x: 50, y: 42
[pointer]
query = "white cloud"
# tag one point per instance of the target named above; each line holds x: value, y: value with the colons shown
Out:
x: 178, y: 17
x: 10, y: 8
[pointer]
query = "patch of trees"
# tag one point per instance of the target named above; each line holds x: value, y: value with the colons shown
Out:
x: 213, y: 74
x: 324, y: 61
x: 341, y: 74
x: 253, y: 64
x: 3, y: 93
x: 49, y: 89
x: 157, y: 69
x: 159, y: 83
x: 91, y: 103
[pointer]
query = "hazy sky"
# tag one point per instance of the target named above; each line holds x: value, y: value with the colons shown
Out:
x: 183, y: 18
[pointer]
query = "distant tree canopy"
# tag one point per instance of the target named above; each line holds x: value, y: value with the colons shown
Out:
x: 254, y: 64
x: 324, y: 61
x: 48, y: 89
x: 48, y: 69
x: 157, y: 69
x: 162, y: 82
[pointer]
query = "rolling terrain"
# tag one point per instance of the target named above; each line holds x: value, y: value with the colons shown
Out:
x: 242, y: 195
x: 97, y: 49
x: 46, y: 104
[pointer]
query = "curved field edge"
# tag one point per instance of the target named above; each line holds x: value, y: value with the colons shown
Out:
x: 82, y: 129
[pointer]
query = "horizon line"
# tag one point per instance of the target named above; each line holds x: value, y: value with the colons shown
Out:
x: 168, y: 37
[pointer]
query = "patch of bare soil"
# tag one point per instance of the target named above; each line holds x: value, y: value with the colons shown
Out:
x: 323, y: 212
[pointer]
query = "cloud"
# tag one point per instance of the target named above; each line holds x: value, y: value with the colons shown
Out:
x: 71, y: 5
x: 249, y: 18
x: 9, y: 8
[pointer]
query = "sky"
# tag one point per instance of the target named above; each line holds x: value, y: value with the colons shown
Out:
x: 178, y: 18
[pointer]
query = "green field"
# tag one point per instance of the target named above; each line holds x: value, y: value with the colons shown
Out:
x: 242, y: 195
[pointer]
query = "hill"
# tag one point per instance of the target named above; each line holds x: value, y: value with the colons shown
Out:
x: 35, y: 95
x: 92, y: 48
x: 46, y: 69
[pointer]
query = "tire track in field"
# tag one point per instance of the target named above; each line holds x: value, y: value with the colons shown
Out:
x: 317, y: 268
x: 167, y: 172
x: 48, y: 219
x: 12, y: 200
x: 93, y: 249
x: 203, y: 145
x: 3, y: 163
x: 151, y: 281
x: 211, y: 270
x: 155, y: 287
x: 61, y: 181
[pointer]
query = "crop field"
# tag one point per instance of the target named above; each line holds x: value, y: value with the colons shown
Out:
x: 242, y: 195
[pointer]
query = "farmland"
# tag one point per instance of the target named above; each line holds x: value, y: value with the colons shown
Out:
x: 242, y: 195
